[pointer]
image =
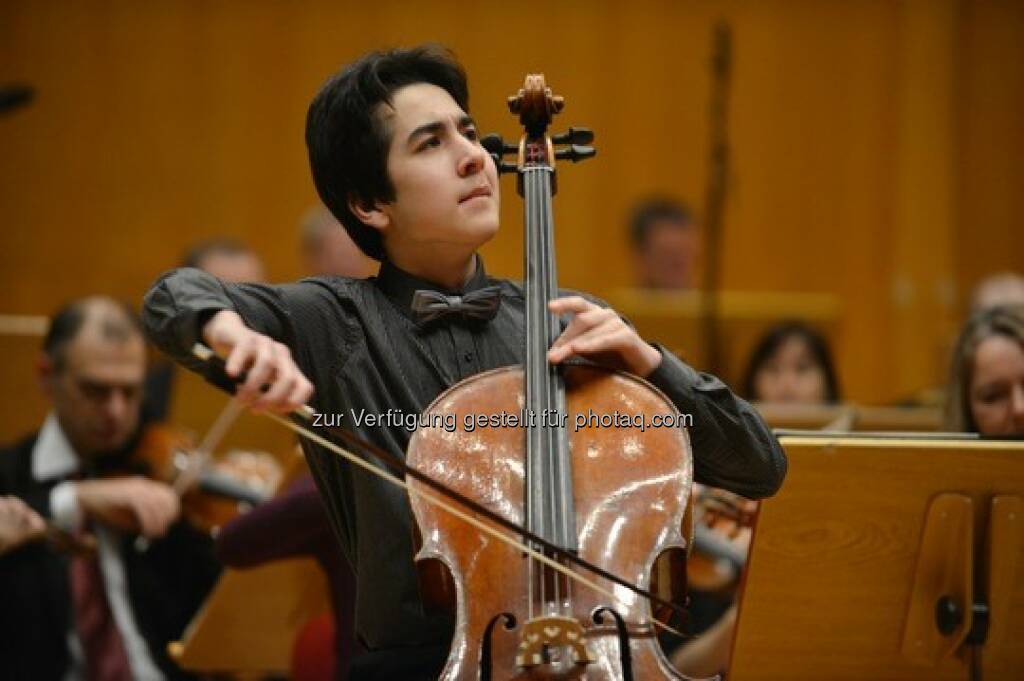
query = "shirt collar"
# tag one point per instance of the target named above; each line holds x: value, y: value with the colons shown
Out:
x: 52, y: 455
x: 400, y: 286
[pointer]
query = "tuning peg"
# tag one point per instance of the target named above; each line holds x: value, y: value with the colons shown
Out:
x: 495, y: 144
x: 503, y: 166
x: 576, y: 153
x: 575, y: 136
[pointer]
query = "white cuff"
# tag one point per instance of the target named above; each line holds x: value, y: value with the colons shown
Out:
x: 67, y: 514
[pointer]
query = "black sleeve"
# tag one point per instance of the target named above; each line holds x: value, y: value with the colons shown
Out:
x: 732, y: 446
x: 183, y: 300
x: 306, y: 316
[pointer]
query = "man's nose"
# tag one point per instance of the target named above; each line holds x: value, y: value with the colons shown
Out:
x: 118, y: 404
x: 473, y: 158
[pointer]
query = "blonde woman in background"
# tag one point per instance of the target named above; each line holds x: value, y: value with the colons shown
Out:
x: 986, y: 385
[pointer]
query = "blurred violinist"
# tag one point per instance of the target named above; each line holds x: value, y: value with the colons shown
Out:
x: 111, y: 613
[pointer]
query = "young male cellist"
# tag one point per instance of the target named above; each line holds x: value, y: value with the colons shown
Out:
x: 397, y: 159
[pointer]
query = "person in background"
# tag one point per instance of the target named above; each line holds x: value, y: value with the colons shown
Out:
x: 666, y: 245
x: 328, y: 250
x: 1004, y: 288
x: 226, y: 259
x: 791, y: 363
x: 108, y: 615
x: 986, y: 380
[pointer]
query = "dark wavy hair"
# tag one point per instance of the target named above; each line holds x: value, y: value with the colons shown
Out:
x: 347, y: 136
x: 775, y: 338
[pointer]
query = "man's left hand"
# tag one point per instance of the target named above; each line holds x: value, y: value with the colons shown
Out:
x: 599, y: 333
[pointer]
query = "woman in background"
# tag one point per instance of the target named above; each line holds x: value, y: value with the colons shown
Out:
x: 986, y: 385
x: 791, y: 363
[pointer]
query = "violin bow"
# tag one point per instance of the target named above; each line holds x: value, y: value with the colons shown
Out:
x: 216, y: 374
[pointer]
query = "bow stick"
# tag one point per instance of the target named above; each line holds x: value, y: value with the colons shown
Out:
x: 216, y: 374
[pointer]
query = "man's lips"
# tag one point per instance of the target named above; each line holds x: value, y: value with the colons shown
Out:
x: 476, y: 193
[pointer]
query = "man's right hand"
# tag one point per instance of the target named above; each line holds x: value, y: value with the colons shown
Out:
x: 265, y: 363
x: 133, y: 504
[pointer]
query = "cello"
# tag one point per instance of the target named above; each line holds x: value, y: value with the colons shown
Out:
x: 613, y: 496
x: 592, y: 509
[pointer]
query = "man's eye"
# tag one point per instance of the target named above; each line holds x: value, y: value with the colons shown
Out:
x: 94, y: 392
x: 992, y: 396
x: 432, y: 141
x: 471, y: 134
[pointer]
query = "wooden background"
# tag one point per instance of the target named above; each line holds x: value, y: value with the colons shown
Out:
x: 877, y: 147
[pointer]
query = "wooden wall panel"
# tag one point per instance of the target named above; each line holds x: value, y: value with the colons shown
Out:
x: 990, y: 227
x: 157, y: 124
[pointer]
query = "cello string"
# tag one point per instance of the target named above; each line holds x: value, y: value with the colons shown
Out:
x: 458, y: 513
x: 535, y: 477
x: 562, y: 488
x: 540, y: 345
x: 541, y: 253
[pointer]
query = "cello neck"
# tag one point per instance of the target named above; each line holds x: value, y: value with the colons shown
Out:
x: 549, y: 494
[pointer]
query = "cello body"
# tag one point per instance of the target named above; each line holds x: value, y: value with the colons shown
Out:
x: 630, y: 491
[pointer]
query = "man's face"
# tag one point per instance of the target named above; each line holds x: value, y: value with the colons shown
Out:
x: 97, y: 393
x: 446, y: 185
x: 667, y: 258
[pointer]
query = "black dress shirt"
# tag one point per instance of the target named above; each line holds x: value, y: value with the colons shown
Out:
x: 359, y: 342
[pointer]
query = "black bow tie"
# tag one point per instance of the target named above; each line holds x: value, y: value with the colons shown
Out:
x: 480, y: 304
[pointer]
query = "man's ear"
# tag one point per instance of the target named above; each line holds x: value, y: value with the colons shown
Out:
x: 370, y: 214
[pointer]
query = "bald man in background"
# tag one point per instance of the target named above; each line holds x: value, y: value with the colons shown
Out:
x: 227, y: 259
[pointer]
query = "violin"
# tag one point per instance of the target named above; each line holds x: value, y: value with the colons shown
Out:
x: 615, y: 498
x: 212, y: 491
x: 722, y: 533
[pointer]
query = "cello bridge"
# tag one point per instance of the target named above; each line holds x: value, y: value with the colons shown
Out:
x: 542, y: 634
